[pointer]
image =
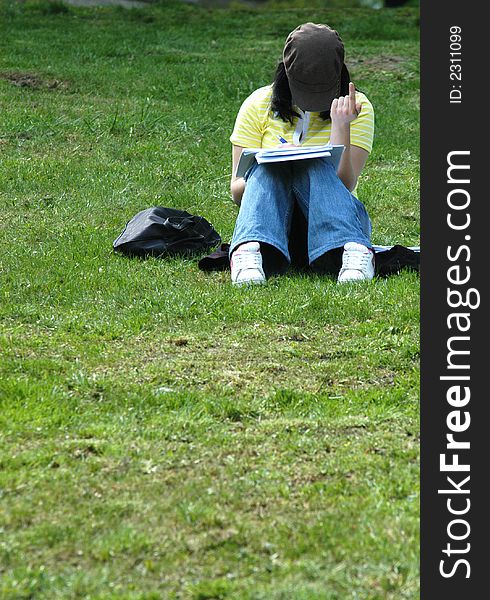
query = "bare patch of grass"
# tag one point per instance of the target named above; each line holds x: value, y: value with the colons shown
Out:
x: 33, y: 81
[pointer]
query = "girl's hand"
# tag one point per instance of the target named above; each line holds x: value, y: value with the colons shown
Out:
x: 345, y: 109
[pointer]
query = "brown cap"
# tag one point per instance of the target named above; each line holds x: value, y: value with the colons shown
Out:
x: 313, y: 58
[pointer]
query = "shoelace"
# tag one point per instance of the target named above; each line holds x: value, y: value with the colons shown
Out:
x: 247, y: 260
x: 355, y: 259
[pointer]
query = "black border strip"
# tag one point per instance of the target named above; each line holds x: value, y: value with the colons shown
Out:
x: 454, y: 263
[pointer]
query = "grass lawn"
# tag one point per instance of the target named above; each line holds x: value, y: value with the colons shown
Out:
x: 163, y: 434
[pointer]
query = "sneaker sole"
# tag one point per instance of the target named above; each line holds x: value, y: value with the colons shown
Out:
x: 249, y: 282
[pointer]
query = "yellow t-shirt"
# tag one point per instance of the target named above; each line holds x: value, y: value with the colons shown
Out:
x: 257, y: 127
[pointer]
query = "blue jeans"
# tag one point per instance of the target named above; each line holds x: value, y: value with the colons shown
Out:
x: 333, y: 215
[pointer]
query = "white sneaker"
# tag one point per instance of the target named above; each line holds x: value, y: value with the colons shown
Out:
x: 246, y: 264
x: 357, y: 263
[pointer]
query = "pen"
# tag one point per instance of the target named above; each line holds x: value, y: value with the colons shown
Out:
x: 282, y: 140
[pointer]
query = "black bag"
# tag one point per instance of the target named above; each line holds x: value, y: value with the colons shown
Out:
x: 160, y: 231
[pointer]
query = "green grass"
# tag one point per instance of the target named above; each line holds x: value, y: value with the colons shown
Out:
x: 164, y: 435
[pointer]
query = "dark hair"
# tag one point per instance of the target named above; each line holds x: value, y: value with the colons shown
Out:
x: 282, y: 101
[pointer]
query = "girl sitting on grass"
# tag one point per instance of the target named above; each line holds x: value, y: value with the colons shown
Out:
x: 310, y: 102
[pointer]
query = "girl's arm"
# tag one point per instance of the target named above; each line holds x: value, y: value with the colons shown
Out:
x: 343, y: 111
x: 237, y: 185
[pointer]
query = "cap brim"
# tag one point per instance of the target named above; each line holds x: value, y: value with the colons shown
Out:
x: 311, y: 100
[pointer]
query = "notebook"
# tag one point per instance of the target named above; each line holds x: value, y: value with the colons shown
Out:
x: 262, y: 155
